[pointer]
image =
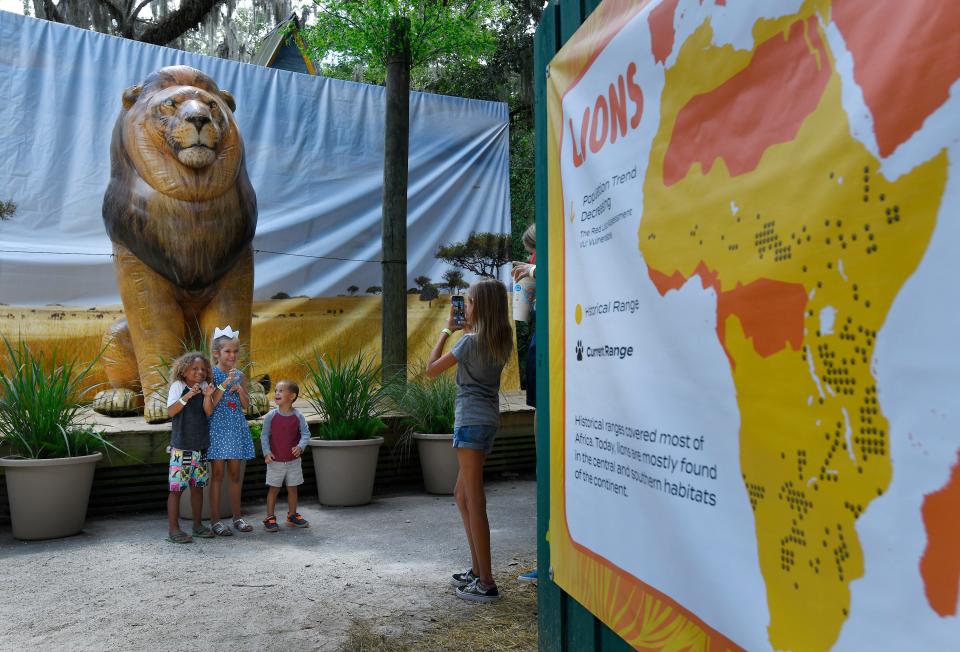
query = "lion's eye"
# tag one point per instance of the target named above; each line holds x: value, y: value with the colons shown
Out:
x: 170, y: 103
x: 213, y: 105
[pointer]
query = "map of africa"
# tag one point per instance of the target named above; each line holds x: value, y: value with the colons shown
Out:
x: 755, y: 442
x: 805, y: 262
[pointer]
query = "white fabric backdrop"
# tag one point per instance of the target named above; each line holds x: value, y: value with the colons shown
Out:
x: 314, y: 150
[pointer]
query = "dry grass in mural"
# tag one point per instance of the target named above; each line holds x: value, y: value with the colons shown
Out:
x: 509, y: 625
x: 284, y: 331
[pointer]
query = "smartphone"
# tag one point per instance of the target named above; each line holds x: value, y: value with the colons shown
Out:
x: 458, y: 309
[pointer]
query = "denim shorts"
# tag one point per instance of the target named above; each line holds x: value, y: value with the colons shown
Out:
x: 479, y: 438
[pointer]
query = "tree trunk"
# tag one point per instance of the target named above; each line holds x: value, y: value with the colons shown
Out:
x: 396, y: 144
x: 173, y: 25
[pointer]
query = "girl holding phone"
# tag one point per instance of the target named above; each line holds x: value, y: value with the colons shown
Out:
x: 479, y: 356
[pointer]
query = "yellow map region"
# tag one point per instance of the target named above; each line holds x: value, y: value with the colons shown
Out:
x: 815, y: 213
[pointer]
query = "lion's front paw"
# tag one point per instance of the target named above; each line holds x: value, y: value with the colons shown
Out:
x: 117, y: 402
x: 259, y: 405
x: 155, y: 410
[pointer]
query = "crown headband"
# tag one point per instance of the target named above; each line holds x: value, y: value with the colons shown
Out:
x: 225, y: 332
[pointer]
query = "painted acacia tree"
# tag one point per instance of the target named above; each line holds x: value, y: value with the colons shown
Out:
x: 391, y: 38
x: 481, y: 253
x: 454, y: 282
x: 7, y: 209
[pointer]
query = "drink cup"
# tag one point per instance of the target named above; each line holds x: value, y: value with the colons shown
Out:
x: 524, y: 294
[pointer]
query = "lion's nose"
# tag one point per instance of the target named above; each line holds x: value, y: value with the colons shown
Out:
x: 198, y: 121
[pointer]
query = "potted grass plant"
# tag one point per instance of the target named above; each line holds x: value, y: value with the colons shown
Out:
x: 347, y: 393
x: 429, y: 407
x: 53, y: 450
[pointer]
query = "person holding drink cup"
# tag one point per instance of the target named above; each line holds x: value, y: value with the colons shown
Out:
x: 524, y: 284
x: 524, y: 294
x: 524, y: 309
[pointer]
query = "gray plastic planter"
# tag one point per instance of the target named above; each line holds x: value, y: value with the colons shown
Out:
x: 48, y: 498
x: 438, y: 462
x: 345, y: 470
x: 186, y: 511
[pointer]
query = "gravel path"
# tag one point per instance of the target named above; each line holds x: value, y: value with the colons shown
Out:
x: 120, y: 586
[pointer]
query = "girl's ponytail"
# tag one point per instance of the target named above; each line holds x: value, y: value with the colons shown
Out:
x: 490, y: 319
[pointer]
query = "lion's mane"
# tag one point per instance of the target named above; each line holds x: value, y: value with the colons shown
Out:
x: 179, y: 197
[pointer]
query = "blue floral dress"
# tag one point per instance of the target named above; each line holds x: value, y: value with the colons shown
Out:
x: 229, y: 433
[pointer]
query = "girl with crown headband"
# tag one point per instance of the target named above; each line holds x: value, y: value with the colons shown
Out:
x: 230, y: 440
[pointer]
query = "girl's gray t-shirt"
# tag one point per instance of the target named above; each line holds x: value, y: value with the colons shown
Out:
x: 478, y: 385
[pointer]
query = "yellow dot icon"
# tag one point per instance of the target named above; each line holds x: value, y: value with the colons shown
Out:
x: 578, y: 315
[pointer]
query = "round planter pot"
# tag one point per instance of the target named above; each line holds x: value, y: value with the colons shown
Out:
x: 186, y: 511
x: 438, y: 462
x: 48, y: 498
x: 345, y: 470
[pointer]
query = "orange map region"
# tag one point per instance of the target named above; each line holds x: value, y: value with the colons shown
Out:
x: 940, y: 564
x: 661, y: 29
x: 762, y: 105
x: 905, y: 58
x: 771, y: 312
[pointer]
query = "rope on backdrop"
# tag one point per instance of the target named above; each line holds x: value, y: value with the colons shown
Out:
x: 256, y: 251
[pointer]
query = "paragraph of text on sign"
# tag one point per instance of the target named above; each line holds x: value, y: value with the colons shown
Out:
x: 617, y: 458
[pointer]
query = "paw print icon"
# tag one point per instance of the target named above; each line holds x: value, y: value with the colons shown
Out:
x: 579, y: 350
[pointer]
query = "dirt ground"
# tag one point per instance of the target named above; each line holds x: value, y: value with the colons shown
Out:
x: 381, y: 570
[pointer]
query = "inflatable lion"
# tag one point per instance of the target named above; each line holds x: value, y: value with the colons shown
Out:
x: 181, y: 213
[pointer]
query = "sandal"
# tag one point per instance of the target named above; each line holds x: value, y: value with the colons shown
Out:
x: 241, y: 525
x: 222, y: 530
x: 203, y: 532
x: 179, y: 537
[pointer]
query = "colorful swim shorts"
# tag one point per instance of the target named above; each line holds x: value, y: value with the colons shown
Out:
x: 187, y: 469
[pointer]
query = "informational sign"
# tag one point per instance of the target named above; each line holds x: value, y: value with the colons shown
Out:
x: 755, y: 425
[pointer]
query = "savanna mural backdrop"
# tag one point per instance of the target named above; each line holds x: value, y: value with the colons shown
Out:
x: 314, y: 155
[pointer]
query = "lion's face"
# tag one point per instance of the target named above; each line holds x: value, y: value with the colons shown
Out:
x: 181, y: 137
x: 191, y: 122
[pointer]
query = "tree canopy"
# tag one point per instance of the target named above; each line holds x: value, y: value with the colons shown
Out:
x: 453, y: 280
x: 354, y: 33
x: 7, y: 209
x: 429, y: 293
x: 230, y: 29
x: 481, y: 253
x: 423, y: 281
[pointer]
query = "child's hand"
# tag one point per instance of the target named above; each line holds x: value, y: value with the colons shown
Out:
x: 194, y: 390
x: 296, y: 450
x: 209, y: 390
x: 268, y: 458
x: 234, y: 377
